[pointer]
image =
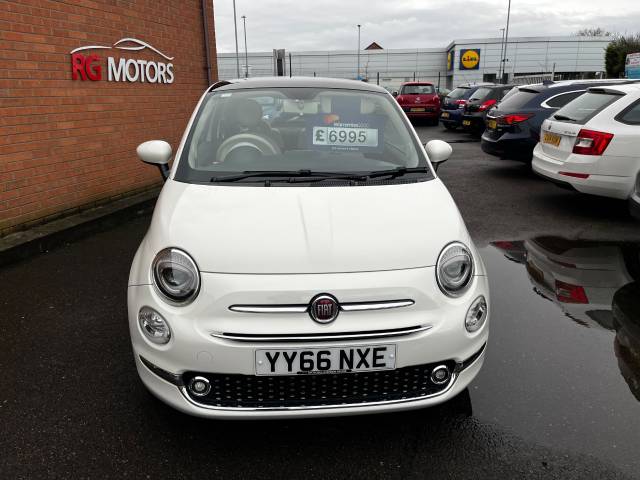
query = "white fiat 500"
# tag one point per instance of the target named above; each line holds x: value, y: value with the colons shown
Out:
x: 592, y: 143
x: 304, y: 259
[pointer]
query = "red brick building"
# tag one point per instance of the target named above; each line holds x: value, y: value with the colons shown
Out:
x: 68, y: 144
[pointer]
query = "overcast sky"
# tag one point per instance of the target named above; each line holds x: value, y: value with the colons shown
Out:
x: 331, y: 24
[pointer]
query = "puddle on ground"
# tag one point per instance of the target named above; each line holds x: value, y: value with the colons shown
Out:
x: 563, y: 364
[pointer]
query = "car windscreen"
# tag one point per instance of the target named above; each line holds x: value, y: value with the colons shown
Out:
x: 460, y: 92
x: 480, y: 93
x: 517, y: 100
x: 417, y: 90
x: 586, y: 106
x: 295, y: 128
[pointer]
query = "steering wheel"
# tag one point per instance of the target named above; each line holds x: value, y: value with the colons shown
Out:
x: 264, y: 145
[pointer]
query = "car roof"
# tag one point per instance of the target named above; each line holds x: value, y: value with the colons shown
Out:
x: 551, y: 87
x: 417, y: 83
x: 627, y: 88
x: 312, y: 82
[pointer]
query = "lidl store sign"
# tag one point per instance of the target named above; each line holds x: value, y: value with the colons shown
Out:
x: 470, y: 59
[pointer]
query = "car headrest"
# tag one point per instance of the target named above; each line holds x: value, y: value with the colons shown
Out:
x: 246, y: 112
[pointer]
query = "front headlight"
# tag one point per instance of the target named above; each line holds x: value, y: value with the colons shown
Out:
x: 176, y: 276
x: 454, y: 269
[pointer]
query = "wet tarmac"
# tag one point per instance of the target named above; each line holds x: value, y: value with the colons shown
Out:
x: 558, y: 397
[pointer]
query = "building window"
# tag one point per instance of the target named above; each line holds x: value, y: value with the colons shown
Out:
x: 489, y: 77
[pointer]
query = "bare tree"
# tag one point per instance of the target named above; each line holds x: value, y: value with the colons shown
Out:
x: 593, y: 32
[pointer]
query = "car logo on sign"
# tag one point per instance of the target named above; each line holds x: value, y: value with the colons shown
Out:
x: 324, y: 308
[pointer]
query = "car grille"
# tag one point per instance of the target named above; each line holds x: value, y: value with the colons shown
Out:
x: 249, y: 391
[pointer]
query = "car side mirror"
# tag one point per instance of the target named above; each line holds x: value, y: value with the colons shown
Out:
x: 395, y: 94
x: 156, y: 152
x: 438, y: 152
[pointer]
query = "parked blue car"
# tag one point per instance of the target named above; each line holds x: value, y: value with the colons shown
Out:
x: 452, y: 107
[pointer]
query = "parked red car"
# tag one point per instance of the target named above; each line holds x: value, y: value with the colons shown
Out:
x: 419, y: 100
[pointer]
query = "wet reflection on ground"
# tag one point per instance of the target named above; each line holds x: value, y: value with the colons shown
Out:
x: 564, y: 355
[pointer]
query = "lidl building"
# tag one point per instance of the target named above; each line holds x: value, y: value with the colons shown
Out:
x: 467, y: 60
x: 81, y: 85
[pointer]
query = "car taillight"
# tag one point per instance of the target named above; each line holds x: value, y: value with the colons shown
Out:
x: 590, y: 142
x: 568, y: 293
x: 514, y: 118
x: 461, y: 103
x: 485, y: 105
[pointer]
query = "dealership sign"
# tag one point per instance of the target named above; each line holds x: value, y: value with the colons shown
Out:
x: 90, y: 67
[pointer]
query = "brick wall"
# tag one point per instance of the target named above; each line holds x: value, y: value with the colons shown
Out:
x: 70, y: 144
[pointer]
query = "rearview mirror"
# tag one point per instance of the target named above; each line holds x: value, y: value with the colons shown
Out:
x: 156, y: 152
x: 438, y: 152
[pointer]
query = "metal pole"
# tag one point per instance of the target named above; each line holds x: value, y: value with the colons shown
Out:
x: 290, y: 72
x: 235, y: 29
x: 501, y: 53
x: 378, y: 78
x: 246, y: 55
x: 506, y: 44
x: 358, y: 75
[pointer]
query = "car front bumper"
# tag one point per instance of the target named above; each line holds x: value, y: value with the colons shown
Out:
x: 196, y: 347
x: 612, y: 186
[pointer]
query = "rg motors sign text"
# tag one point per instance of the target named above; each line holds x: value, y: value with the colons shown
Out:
x: 90, y: 67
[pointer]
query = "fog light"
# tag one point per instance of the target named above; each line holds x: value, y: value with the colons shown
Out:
x: 154, y: 327
x: 199, y: 386
x: 440, y: 375
x: 476, y: 315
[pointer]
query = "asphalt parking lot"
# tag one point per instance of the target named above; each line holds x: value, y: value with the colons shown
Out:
x: 558, y: 396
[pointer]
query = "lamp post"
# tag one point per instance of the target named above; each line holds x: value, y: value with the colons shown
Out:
x: 358, y: 75
x: 235, y: 29
x: 501, y: 53
x: 246, y: 55
x: 506, y: 44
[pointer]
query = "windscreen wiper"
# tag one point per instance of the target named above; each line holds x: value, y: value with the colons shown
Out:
x: 363, y: 177
x: 299, y: 176
x: 286, y: 175
x: 564, y: 117
x: 398, y: 172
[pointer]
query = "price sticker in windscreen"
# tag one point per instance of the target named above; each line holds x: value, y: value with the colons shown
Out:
x: 345, y: 136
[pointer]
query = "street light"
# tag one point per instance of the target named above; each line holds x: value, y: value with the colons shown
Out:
x: 506, y: 44
x: 501, y: 53
x: 246, y: 55
x: 235, y: 29
x: 358, y: 75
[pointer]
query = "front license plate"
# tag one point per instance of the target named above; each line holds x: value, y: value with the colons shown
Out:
x: 417, y: 109
x: 445, y: 115
x: 466, y: 123
x: 492, y: 124
x: 551, y: 138
x: 310, y: 361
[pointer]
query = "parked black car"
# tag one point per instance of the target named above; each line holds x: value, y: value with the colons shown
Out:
x: 482, y: 100
x: 513, y: 126
x: 452, y: 106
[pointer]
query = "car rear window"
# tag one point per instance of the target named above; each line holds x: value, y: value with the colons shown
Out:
x: 481, y: 93
x: 559, y: 101
x: 630, y: 115
x: 460, y: 92
x: 417, y: 90
x: 586, y: 106
x: 518, y: 100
